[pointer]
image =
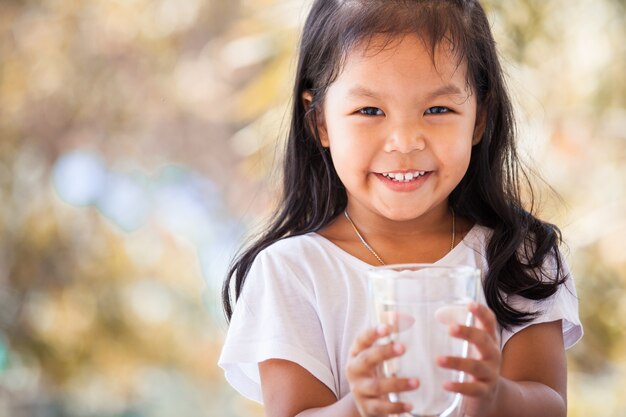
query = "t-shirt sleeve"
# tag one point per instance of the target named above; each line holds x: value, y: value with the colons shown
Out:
x: 563, y: 305
x: 274, y: 318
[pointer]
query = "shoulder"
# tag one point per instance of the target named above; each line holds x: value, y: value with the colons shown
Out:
x: 306, y: 268
x: 309, y: 257
x: 286, y: 254
x: 295, y: 250
x: 553, y: 261
x: 284, y: 268
x: 477, y: 239
x: 478, y: 236
x: 286, y: 244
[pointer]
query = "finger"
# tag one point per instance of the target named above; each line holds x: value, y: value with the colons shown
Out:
x: 486, y: 318
x: 470, y: 389
x: 369, y: 359
x: 376, y: 387
x: 486, y: 346
x: 367, y: 338
x: 383, y: 407
x: 478, y: 369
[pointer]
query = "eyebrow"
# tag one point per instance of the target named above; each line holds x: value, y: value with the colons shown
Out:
x: 360, y: 91
x: 444, y: 90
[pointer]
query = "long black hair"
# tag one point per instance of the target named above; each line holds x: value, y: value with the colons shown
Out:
x: 490, y: 193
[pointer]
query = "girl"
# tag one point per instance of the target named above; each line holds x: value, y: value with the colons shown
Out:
x: 401, y: 150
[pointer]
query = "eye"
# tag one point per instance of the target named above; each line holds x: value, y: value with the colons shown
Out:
x: 437, y: 110
x: 371, y: 111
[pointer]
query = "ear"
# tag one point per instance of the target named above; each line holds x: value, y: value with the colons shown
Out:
x: 307, y: 100
x: 480, y: 126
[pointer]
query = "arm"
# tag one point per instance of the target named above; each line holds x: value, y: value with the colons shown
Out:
x: 528, y: 379
x: 534, y: 373
x: 531, y: 382
x: 290, y: 390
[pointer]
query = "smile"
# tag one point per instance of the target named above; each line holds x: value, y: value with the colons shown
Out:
x: 404, y: 176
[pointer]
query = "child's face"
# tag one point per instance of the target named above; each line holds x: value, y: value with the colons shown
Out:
x: 391, y: 112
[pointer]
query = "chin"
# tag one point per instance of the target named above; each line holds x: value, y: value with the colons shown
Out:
x: 400, y: 214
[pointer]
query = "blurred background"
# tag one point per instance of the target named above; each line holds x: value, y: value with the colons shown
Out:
x: 138, y: 142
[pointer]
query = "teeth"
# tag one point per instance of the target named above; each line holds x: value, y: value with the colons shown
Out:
x: 400, y: 177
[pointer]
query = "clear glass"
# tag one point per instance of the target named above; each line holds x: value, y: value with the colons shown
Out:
x: 419, y: 302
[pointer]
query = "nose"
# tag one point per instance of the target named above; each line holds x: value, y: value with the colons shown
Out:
x: 406, y: 139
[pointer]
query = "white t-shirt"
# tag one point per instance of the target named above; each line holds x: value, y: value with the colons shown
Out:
x: 305, y: 300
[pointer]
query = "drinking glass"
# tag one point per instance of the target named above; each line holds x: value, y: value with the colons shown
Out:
x: 418, y: 303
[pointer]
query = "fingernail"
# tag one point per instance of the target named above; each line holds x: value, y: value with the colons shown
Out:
x: 397, y: 348
x: 413, y: 383
x: 381, y: 329
x: 454, y: 328
x: 408, y: 407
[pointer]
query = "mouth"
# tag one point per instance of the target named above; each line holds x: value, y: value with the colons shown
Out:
x: 405, y: 176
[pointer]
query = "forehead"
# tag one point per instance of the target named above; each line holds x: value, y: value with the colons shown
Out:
x: 407, y: 58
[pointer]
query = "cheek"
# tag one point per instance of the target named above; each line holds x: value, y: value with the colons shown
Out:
x: 462, y: 151
x: 462, y: 155
x: 455, y: 157
x: 348, y: 138
x: 351, y: 153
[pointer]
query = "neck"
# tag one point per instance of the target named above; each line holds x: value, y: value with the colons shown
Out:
x: 396, y: 250
x: 377, y: 226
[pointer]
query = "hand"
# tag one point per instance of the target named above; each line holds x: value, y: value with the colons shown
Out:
x: 370, y: 390
x: 481, y: 391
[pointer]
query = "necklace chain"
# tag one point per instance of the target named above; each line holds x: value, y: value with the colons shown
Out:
x: 373, y: 252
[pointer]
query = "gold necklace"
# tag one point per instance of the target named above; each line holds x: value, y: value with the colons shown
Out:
x: 373, y: 252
